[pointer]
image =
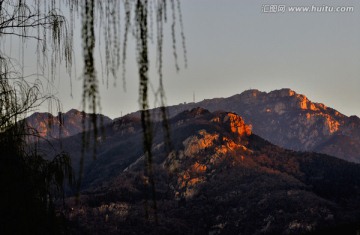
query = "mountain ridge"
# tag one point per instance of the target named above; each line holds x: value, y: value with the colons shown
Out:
x: 48, y: 126
x: 287, y: 119
x: 283, y: 117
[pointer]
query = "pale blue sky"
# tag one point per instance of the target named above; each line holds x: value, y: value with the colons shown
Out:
x: 233, y: 46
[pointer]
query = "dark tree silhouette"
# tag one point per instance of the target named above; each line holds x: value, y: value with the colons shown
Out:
x: 42, y: 21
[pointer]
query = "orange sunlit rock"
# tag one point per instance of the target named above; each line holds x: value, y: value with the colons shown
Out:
x: 322, y: 106
x: 199, y: 168
x: 313, y: 107
x: 331, y: 124
x: 193, y: 181
x: 237, y: 124
x: 195, y: 144
x: 303, y: 103
x: 222, y: 149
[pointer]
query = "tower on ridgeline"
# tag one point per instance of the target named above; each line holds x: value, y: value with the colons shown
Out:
x: 194, y: 96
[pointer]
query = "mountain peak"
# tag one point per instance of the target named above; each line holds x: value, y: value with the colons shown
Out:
x: 73, y: 112
x: 251, y: 93
x: 231, y: 122
x: 234, y: 123
x: 285, y: 92
x: 280, y: 101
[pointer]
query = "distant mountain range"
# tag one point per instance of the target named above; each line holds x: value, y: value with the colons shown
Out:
x: 283, y: 117
x: 221, y: 175
x: 289, y: 120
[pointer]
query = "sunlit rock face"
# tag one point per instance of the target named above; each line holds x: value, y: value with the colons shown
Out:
x: 222, y: 137
x: 237, y: 124
x: 204, y: 153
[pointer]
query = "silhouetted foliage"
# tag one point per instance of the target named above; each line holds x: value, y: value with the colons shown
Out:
x: 42, y: 21
x: 30, y: 186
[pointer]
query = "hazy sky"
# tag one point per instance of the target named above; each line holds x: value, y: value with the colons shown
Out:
x: 234, y: 45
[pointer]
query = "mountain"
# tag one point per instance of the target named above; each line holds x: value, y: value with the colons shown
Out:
x: 218, y: 178
x: 283, y: 117
x: 62, y: 126
x: 289, y: 120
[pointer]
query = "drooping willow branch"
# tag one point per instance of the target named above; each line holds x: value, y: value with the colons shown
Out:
x: 118, y: 21
x: 143, y: 63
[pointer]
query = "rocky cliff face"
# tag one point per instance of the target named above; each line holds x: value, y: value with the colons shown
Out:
x: 290, y: 120
x: 190, y: 163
